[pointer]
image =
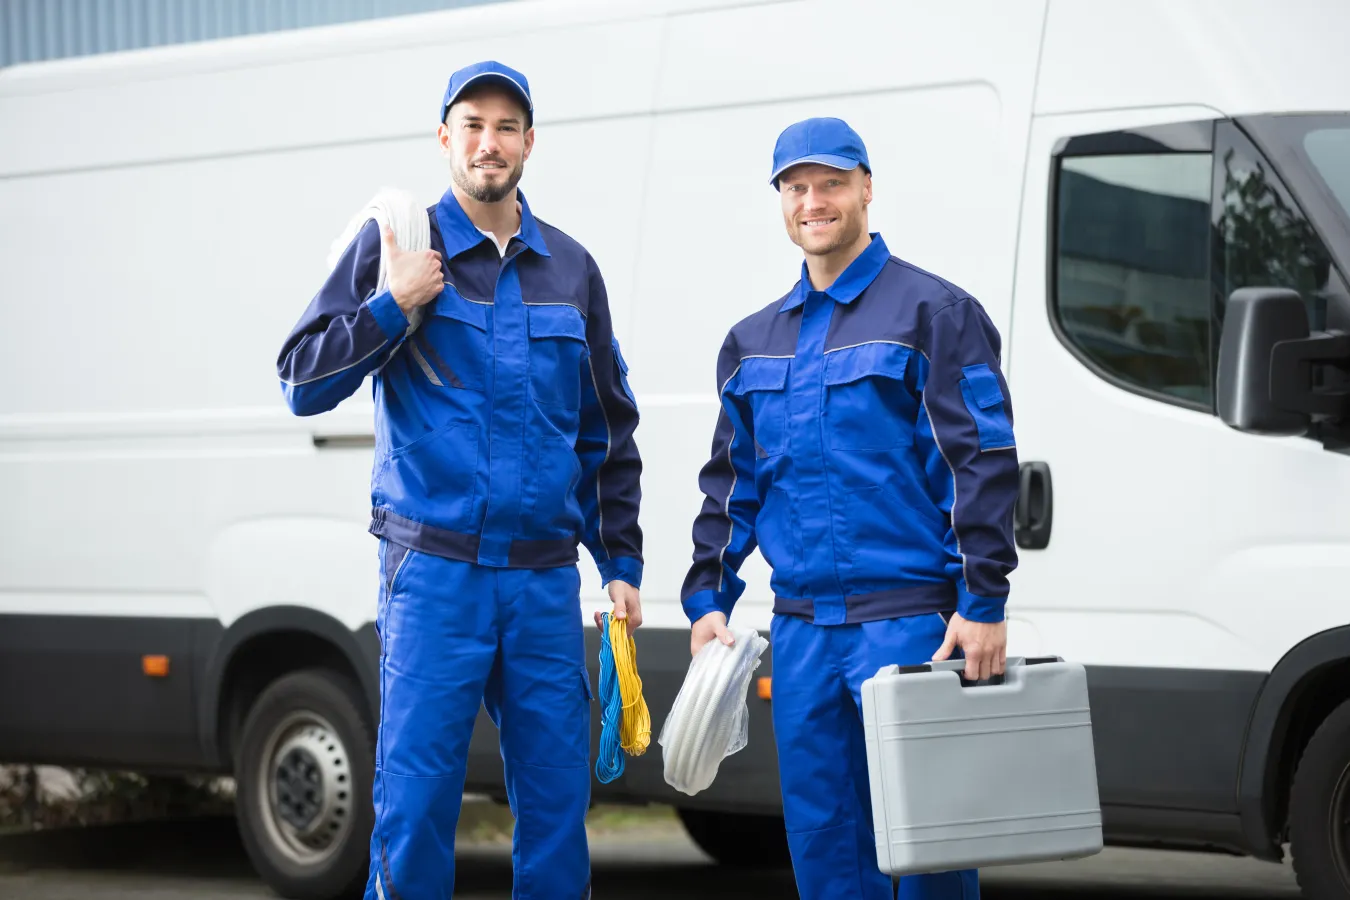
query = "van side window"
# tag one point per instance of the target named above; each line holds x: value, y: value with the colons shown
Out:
x: 1262, y: 239
x: 1131, y: 270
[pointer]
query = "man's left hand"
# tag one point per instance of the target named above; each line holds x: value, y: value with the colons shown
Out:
x: 985, y: 645
x: 627, y: 605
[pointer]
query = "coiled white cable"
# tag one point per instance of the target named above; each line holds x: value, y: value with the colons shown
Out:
x: 709, y: 720
x: 410, y: 223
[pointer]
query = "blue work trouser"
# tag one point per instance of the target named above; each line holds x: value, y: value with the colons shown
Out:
x: 818, y: 671
x: 455, y: 635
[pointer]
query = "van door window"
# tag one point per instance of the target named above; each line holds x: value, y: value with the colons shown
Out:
x: 1262, y: 237
x: 1132, y: 267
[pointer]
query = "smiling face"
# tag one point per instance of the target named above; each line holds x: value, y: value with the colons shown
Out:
x: 487, y: 138
x: 825, y: 209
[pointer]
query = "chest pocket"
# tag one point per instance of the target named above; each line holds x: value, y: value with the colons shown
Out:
x: 451, y: 346
x: 868, y: 406
x: 762, y: 384
x: 557, y: 353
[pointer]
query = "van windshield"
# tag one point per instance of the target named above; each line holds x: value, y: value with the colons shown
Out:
x: 1329, y: 151
x: 1312, y: 152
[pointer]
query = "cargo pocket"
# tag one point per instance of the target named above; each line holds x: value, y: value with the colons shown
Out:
x: 549, y: 487
x: 985, y: 401
x: 763, y: 385
x: 450, y: 349
x: 557, y: 351
x: 437, y: 474
x: 869, y: 406
x: 586, y: 684
x: 780, y: 540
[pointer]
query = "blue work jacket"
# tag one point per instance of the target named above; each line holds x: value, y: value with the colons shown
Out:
x: 504, y: 423
x: 865, y: 445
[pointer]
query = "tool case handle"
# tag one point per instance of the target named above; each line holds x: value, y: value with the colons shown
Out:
x: 959, y: 666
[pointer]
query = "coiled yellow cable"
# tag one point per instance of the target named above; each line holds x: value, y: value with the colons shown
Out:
x: 635, y: 732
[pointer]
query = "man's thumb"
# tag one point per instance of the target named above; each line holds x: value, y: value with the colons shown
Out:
x: 947, y: 646
x: 387, y: 239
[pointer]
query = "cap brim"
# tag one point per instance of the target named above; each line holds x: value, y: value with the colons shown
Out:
x: 825, y: 159
x: 505, y: 81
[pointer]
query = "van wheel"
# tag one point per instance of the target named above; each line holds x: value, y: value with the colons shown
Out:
x: 1319, y: 810
x: 739, y: 840
x: 303, y: 800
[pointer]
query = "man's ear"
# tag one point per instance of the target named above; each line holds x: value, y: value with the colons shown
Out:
x: 443, y: 139
x: 529, y: 142
x: 867, y: 189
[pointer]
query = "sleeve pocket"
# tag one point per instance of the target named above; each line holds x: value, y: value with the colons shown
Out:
x: 623, y: 371
x: 987, y: 406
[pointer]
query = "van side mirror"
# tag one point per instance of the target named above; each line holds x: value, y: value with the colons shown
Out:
x: 1267, y: 358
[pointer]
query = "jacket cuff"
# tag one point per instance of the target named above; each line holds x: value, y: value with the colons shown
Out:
x: 387, y: 314
x: 626, y: 569
x: 974, y: 608
x: 699, y: 604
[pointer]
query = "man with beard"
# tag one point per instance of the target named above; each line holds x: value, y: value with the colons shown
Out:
x: 504, y: 437
x: 865, y: 445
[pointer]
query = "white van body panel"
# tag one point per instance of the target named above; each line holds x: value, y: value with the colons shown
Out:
x: 168, y: 217
x: 1238, y: 56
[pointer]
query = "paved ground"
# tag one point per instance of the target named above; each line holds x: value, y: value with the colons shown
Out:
x: 205, y: 861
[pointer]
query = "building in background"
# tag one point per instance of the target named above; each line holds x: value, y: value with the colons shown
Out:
x: 35, y: 30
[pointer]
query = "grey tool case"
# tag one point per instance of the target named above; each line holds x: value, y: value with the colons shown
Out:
x: 973, y: 774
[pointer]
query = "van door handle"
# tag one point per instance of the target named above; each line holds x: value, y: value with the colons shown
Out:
x: 1035, y: 506
x: 340, y: 441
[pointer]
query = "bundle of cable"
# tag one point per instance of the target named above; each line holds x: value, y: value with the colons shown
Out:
x: 625, y: 722
x: 408, y: 219
x: 710, y: 720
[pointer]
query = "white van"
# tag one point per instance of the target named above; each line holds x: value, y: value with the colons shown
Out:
x: 186, y: 579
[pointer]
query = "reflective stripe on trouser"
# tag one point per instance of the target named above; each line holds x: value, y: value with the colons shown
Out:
x: 818, y: 671
x: 455, y: 635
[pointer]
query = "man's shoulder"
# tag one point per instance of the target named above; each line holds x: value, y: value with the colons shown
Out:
x: 925, y: 293
x: 562, y: 247
x: 754, y: 328
x: 913, y: 278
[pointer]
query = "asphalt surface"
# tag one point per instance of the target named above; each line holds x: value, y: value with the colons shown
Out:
x: 204, y: 860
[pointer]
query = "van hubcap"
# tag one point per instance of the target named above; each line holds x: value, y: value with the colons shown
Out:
x: 306, y: 798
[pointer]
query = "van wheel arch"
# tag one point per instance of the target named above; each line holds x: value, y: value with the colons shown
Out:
x: 267, y: 644
x: 1307, y: 684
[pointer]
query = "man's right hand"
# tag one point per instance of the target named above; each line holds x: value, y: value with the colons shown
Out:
x: 713, y: 625
x: 415, y: 278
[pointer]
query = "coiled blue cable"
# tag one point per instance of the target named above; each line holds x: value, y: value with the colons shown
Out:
x: 609, y: 763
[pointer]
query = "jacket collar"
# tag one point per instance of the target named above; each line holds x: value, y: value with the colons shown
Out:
x: 850, y: 283
x: 459, y: 233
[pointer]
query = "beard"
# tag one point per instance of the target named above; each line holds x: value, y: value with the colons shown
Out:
x: 845, y: 236
x: 481, y: 191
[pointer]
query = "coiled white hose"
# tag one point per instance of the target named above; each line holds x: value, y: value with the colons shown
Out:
x: 411, y: 226
x: 709, y: 720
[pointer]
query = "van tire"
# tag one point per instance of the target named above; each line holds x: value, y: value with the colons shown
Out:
x: 1319, y: 802
x: 739, y: 840
x: 306, y: 743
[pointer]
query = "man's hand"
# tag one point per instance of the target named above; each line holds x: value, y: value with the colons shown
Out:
x: 627, y: 605
x: 985, y: 645
x: 713, y: 625
x: 415, y: 278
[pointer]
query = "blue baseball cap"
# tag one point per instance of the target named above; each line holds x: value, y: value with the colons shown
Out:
x: 830, y: 142
x: 488, y: 71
